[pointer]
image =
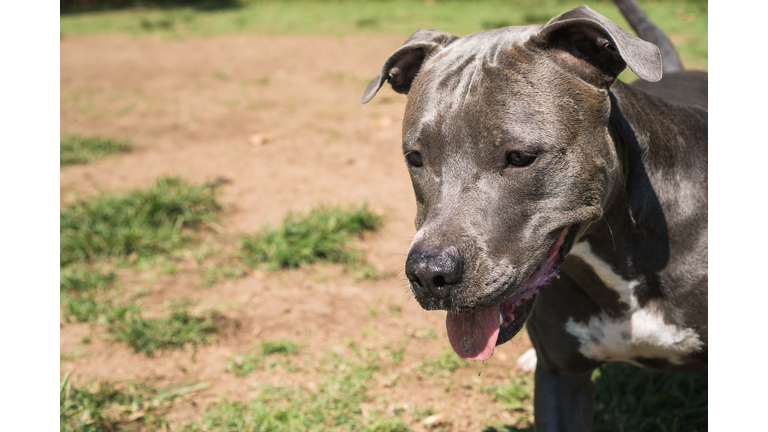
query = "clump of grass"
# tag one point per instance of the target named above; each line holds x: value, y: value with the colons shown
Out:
x: 75, y: 149
x: 173, y: 332
x: 631, y: 398
x: 83, y: 307
x: 367, y: 272
x: 141, y: 222
x: 516, y: 396
x: 80, y: 288
x: 322, y: 234
x: 100, y: 406
x: 278, y: 346
x: 243, y: 364
x: 81, y: 279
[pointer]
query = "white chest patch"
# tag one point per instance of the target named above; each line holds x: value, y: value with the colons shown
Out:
x: 639, y: 333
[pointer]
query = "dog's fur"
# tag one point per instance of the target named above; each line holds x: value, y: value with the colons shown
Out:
x: 525, y: 150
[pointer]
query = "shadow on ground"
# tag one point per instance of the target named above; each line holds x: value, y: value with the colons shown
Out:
x: 630, y: 398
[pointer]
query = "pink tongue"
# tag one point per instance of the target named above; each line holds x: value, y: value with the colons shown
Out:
x: 473, y: 336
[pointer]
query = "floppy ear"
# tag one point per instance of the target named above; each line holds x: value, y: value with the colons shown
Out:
x: 595, y: 49
x: 402, y: 65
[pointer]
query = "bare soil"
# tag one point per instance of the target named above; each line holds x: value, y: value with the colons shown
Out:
x: 280, y: 118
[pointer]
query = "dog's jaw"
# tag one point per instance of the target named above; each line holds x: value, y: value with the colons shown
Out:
x: 474, y: 336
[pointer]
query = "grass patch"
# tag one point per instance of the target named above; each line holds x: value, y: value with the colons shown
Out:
x: 84, y: 307
x: 173, y: 332
x: 334, y: 404
x: 75, y: 149
x: 99, y: 406
x: 322, y: 234
x: 139, y: 223
x: 243, y: 364
x: 396, y: 355
x: 84, y: 299
x: 363, y: 272
x: 687, y: 18
x: 217, y: 272
x: 81, y: 279
x: 80, y: 288
x: 516, y: 396
x: 278, y: 346
x: 634, y: 399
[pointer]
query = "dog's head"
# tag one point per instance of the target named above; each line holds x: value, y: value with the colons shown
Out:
x: 506, y: 137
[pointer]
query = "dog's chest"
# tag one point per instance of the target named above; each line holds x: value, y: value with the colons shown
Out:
x: 640, y: 336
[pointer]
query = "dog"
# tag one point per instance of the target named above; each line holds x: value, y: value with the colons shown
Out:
x: 551, y: 193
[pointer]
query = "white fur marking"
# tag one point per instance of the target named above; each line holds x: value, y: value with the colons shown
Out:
x: 624, y: 288
x: 642, y: 334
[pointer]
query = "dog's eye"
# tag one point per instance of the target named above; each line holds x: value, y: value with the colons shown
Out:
x: 519, y: 158
x: 414, y: 158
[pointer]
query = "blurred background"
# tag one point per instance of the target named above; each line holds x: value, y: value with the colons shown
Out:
x: 234, y: 225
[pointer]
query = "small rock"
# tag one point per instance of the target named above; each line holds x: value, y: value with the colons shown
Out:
x: 432, y: 420
x: 259, y: 139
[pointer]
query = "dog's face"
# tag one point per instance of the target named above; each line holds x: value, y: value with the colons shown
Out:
x: 506, y: 138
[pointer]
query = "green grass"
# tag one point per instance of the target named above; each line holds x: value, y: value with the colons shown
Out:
x: 322, y: 234
x: 75, y: 149
x: 80, y: 279
x: 127, y: 229
x: 174, y: 331
x: 84, y: 307
x: 332, y: 405
x: 101, y: 406
x: 217, y: 272
x: 635, y: 399
x: 139, y: 223
x: 628, y: 398
x: 278, y: 346
x: 80, y: 289
x: 243, y: 364
x: 516, y: 396
x: 403, y: 17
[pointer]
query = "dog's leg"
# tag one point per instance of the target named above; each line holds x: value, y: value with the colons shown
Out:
x: 562, y: 401
x: 564, y: 393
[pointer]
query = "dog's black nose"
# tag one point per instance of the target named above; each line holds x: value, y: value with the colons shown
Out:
x: 433, y: 275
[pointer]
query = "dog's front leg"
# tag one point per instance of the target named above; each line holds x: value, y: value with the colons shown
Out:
x: 562, y: 401
x: 564, y: 393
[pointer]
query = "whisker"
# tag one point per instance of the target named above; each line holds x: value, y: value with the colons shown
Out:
x: 611, y: 231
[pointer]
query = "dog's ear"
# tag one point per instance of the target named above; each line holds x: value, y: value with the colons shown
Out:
x: 595, y: 49
x: 401, y: 67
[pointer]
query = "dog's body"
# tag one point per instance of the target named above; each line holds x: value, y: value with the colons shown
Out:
x: 525, y: 153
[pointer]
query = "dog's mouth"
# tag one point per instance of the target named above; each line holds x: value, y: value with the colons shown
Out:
x: 475, y: 335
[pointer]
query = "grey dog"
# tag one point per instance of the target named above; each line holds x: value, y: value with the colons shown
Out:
x: 549, y: 191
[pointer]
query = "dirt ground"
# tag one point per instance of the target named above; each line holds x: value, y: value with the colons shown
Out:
x: 280, y: 117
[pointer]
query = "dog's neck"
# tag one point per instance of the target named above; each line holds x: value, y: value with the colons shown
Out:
x: 632, y: 235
